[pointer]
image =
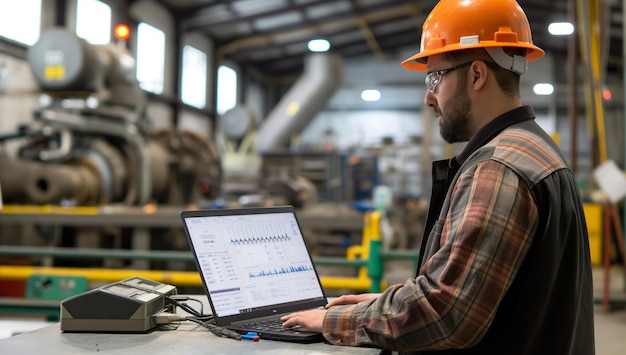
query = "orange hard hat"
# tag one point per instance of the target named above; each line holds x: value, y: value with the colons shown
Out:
x: 463, y: 24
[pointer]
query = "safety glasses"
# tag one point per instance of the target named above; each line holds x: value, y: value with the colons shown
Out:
x: 434, y: 78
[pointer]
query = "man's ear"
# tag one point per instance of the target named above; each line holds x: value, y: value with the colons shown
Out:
x: 479, y: 73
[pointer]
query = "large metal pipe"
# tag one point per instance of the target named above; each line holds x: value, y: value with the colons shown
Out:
x: 183, y: 169
x: 48, y: 183
x: 322, y: 75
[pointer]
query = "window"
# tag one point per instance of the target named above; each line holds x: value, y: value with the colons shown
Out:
x: 226, y: 89
x: 20, y: 20
x: 150, y: 58
x: 193, y: 85
x: 93, y: 21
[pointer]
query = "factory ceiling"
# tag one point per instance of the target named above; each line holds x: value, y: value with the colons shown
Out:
x: 271, y: 35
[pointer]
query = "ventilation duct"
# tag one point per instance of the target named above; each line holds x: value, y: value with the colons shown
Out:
x: 322, y: 76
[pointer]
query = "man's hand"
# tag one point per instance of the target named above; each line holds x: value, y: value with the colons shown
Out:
x: 311, y: 320
x: 352, y: 299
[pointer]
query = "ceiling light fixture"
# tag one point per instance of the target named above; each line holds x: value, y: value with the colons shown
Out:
x: 543, y: 89
x: 319, y: 45
x: 370, y: 95
x: 561, y: 28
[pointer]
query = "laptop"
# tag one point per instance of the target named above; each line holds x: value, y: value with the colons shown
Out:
x: 255, y: 268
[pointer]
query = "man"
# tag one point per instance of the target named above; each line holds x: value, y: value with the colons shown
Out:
x: 505, y: 265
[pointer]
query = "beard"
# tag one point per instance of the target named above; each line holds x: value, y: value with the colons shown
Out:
x: 454, y: 121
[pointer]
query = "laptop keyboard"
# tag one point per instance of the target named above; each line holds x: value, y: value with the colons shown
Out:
x: 273, y: 325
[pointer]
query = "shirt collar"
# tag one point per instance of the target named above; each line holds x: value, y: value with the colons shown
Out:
x: 493, y: 128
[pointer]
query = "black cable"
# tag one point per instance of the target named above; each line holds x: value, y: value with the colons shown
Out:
x: 217, y: 330
x: 189, y: 309
x: 178, y: 301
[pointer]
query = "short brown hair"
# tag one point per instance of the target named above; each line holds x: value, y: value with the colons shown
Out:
x: 507, y: 80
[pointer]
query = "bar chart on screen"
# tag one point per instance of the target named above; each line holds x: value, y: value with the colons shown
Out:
x: 282, y: 270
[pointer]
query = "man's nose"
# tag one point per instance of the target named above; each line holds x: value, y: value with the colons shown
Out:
x: 429, y: 99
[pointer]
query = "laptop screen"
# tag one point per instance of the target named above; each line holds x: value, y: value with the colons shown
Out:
x: 252, y: 261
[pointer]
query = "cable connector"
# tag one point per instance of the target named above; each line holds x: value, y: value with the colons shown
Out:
x: 167, y: 318
x: 254, y: 336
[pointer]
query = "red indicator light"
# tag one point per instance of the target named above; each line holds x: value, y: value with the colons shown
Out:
x: 122, y: 32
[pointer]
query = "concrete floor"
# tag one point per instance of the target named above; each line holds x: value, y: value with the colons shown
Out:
x: 610, y: 332
x: 610, y: 325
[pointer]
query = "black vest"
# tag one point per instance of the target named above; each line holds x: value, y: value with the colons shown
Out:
x: 549, y: 307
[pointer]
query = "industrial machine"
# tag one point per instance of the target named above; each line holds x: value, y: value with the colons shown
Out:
x: 91, y: 142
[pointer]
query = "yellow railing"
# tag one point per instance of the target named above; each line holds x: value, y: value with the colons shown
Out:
x: 366, y: 256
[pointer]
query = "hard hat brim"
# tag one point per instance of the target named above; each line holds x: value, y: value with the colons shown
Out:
x: 418, y: 61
